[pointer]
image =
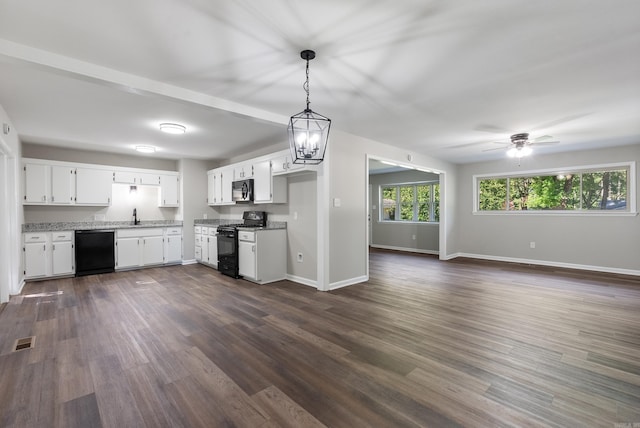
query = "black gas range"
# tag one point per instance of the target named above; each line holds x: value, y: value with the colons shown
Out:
x: 228, y: 241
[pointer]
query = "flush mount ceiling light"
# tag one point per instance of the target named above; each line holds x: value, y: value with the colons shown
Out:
x: 172, y: 128
x: 308, y: 131
x: 145, y: 149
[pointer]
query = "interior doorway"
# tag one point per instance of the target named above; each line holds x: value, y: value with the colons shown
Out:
x: 404, y: 207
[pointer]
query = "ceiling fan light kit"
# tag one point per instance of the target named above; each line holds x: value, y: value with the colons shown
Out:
x: 308, y: 131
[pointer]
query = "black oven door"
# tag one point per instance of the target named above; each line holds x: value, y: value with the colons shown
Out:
x: 228, y: 253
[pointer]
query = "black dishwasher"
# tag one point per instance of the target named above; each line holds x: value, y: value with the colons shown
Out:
x: 95, y: 252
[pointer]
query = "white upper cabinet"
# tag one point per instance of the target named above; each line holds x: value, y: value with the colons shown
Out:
x: 49, y: 184
x: 211, y: 187
x: 36, y: 184
x: 283, y: 164
x: 242, y: 171
x: 93, y: 186
x: 63, y: 185
x: 136, y: 177
x: 267, y: 188
x: 169, y: 191
x: 219, y: 186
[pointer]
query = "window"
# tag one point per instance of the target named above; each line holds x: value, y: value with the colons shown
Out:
x: 418, y: 202
x: 578, y: 190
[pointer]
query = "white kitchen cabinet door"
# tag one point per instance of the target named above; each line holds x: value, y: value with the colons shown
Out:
x: 35, y: 259
x: 93, y: 186
x: 127, y: 252
x: 147, y: 178
x: 225, y: 182
x: 279, y: 164
x: 63, y: 182
x: 36, y: 183
x: 262, y: 182
x: 242, y: 171
x: 211, y: 188
x: 247, y: 259
x: 152, y: 250
x: 173, y: 249
x: 62, y: 258
x: 213, y: 250
x: 125, y: 177
x: 204, y: 245
x: 169, y: 191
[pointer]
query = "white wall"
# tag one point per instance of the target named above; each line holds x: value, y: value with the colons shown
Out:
x: 608, y: 243
x: 193, y: 200
x: 347, y: 175
x: 11, y: 277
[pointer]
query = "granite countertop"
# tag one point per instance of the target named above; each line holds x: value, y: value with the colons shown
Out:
x: 221, y: 222
x: 89, y: 225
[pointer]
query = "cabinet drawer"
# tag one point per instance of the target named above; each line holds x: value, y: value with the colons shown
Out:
x: 134, y: 233
x: 174, y: 231
x: 198, y: 253
x: 247, y: 236
x: 35, y: 237
x: 213, y: 231
x: 205, y: 230
x: 198, y: 240
x: 61, y: 236
x: 197, y: 230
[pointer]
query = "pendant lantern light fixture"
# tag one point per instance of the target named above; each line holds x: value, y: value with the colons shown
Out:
x: 308, y: 131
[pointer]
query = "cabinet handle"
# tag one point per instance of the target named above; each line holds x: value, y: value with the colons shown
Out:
x: 53, y: 198
x: 53, y: 247
x: 253, y: 248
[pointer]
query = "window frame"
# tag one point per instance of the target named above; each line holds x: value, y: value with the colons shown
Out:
x: 416, y: 202
x: 631, y: 190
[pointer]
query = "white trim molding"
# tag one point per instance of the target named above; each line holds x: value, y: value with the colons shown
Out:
x: 601, y: 269
x: 407, y: 250
x: 304, y: 281
x: 347, y: 282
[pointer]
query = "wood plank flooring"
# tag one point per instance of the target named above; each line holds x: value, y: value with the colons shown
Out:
x: 423, y: 343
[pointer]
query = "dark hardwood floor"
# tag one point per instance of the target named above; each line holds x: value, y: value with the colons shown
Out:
x: 423, y: 343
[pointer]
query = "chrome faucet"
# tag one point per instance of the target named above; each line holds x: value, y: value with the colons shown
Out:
x: 135, y: 217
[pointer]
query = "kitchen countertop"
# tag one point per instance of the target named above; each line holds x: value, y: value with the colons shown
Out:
x: 221, y: 222
x: 89, y: 225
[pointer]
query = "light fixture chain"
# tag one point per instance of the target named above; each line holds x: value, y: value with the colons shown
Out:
x: 306, y: 85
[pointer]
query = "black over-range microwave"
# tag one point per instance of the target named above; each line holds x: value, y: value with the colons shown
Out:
x: 242, y: 190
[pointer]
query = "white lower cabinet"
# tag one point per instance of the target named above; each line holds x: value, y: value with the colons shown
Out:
x: 48, y: 254
x: 139, y: 247
x: 206, y: 248
x: 213, y: 247
x: 262, y: 255
x: 173, y: 245
x: 197, y: 231
x: 62, y: 255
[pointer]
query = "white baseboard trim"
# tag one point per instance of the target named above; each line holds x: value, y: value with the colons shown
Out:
x: 410, y: 250
x: 347, y: 282
x: 304, y: 281
x: 604, y: 269
x: 189, y: 262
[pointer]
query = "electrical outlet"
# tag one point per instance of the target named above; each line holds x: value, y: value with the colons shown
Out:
x: 532, y: 244
x: 413, y: 237
x: 300, y: 258
x: 204, y: 216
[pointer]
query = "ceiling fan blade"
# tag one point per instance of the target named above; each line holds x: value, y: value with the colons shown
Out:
x: 545, y: 143
x: 542, y: 137
x: 495, y: 148
x: 484, y: 127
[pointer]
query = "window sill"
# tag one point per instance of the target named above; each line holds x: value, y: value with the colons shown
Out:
x: 409, y: 222
x: 561, y: 213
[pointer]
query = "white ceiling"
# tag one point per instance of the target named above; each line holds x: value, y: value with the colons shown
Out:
x: 444, y: 78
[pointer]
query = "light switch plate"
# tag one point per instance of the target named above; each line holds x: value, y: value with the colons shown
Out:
x: 336, y: 202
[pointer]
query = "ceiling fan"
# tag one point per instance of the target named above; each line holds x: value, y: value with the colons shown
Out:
x: 520, y: 144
